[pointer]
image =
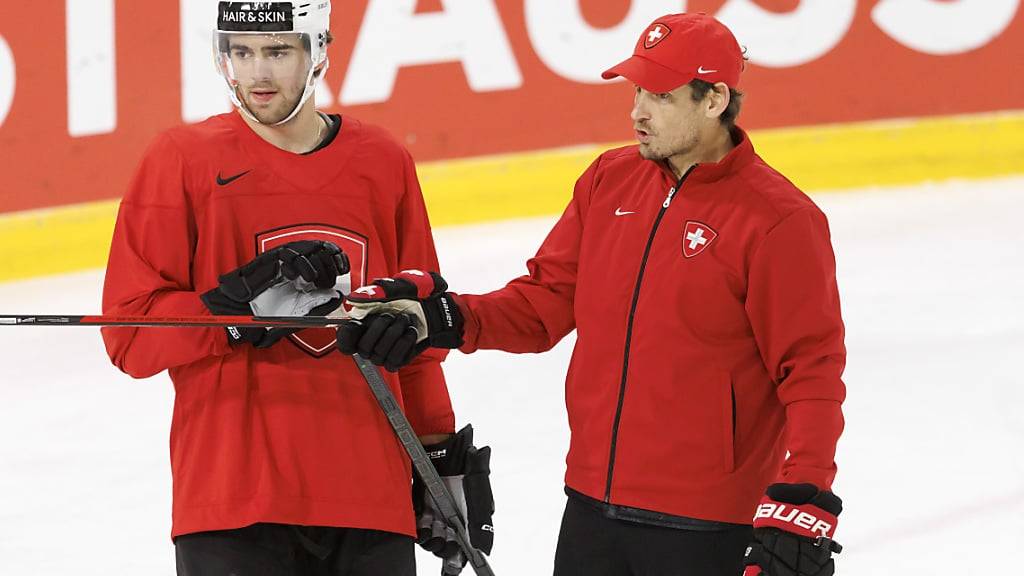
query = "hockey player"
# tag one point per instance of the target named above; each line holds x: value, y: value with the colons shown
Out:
x: 702, y: 287
x: 282, y: 462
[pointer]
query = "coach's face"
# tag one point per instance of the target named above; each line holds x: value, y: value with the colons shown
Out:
x: 667, y: 124
x: 674, y: 124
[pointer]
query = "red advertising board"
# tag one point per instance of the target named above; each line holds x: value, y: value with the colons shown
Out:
x: 85, y: 84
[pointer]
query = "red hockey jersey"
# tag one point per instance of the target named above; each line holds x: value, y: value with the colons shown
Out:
x: 290, y: 434
x: 708, y: 322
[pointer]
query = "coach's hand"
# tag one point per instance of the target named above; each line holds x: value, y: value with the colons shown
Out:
x: 793, y: 530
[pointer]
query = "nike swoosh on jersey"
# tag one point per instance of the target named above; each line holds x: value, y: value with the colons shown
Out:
x: 619, y: 212
x: 225, y: 181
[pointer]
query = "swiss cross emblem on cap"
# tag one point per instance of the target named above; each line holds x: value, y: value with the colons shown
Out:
x: 696, y: 237
x: 655, y: 34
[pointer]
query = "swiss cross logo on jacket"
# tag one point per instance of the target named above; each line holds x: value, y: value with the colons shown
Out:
x: 320, y: 341
x: 696, y: 237
x: 655, y: 34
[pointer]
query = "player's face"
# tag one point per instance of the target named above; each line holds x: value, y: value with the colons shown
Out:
x: 667, y: 124
x: 270, y: 72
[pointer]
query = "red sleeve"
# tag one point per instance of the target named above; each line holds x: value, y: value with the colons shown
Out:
x: 424, y: 391
x: 149, y: 270
x: 793, y: 305
x: 533, y: 312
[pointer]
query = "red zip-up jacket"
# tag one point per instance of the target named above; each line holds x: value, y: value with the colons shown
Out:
x: 290, y: 434
x: 709, y: 335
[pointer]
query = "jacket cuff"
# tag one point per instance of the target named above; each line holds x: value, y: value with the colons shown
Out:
x: 470, y: 326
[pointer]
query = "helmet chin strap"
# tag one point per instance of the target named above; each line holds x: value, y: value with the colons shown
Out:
x: 308, y: 92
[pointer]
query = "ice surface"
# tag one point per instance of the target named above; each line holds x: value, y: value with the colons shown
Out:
x: 931, y: 466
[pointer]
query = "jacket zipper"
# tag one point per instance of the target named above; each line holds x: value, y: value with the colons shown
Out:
x: 629, y: 330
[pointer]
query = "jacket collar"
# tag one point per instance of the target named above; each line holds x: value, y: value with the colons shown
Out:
x: 733, y: 162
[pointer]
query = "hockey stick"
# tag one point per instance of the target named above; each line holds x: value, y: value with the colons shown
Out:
x: 435, y: 487
x: 174, y: 321
x: 399, y: 423
x: 428, y: 474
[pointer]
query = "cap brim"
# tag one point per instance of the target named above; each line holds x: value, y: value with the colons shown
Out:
x: 647, y: 74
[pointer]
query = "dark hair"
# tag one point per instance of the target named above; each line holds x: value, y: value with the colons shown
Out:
x: 728, y: 118
x: 328, y: 38
x: 225, y: 45
x: 224, y: 42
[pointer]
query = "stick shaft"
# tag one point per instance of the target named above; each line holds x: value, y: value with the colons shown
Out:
x: 421, y: 463
x: 171, y: 321
x: 435, y: 486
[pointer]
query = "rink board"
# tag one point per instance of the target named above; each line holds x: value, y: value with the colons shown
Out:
x: 819, y: 158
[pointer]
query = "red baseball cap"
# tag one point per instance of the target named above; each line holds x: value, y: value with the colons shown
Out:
x: 678, y: 48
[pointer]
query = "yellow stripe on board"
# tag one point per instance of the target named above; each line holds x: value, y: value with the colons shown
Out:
x: 816, y: 158
x: 896, y: 152
x: 56, y: 240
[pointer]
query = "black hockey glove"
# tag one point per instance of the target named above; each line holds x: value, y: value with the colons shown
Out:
x: 394, y: 319
x: 295, y: 279
x: 466, y: 471
x: 793, y: 530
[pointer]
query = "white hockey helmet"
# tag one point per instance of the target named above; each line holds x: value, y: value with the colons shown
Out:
x: 310, y: 20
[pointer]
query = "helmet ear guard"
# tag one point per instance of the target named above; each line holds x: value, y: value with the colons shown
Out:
x: 309, y: 19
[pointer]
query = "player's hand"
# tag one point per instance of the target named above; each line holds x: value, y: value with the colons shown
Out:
x: 295, y: 279
x: 465, y: 470
x: 392, y: 320
x: 314, y: 261
x: 793, y: 530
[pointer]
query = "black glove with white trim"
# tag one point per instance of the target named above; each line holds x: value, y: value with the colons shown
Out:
x: 392, y: 320
x: 295, y: 279
x: 793, y: 529
x: 466, y: 471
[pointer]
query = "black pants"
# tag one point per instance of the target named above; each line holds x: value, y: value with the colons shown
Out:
x: 590, y: 544
x: 283, y: 550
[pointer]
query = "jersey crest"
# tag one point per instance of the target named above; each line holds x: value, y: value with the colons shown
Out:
x: 319, y: 342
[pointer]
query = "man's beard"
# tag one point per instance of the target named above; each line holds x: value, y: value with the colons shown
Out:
x: 276, y: 113
x: 273, y: 115
x: 648, y: 152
